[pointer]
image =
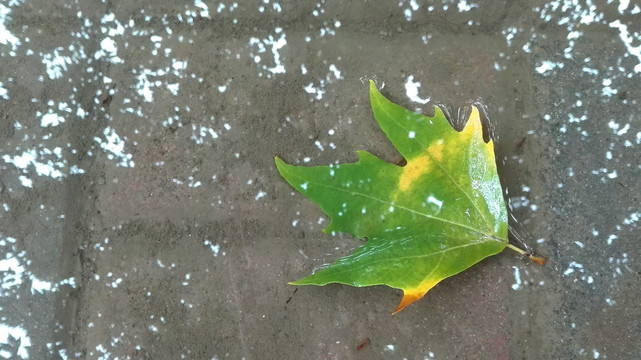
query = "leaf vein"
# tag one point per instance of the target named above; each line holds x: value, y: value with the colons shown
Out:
x: 351, y: 192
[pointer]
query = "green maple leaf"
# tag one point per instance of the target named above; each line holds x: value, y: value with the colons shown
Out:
x: 428, y: 220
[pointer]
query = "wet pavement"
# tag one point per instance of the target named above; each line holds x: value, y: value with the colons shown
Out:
x: 143, y: 217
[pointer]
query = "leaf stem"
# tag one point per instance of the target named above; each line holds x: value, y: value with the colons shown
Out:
x: 537, y: 259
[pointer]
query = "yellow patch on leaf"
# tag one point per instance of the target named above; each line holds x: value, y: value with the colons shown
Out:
x: 473, y: 124
x: 412, y: 171
x: 411, y: 295
x: 475, y: 128
x: 420, y: 166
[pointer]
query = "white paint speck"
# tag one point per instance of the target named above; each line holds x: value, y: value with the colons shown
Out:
x: 610, y: 301
x: 408, y: 14
x: 627, y: 39
x: 411, y: 89
x: 434, y: 201
x: 204, y: 9
x: 16, y: 333
x: 114, y: 146
x: 6, y: 37
x: 109, y: 50
x: 37, y: 159
x: 26, y: 182
x: 334, y: 70
x: 39, y: 286
x: 215, y: 248
x: 178, y: 65
x: 463, y: 6
x: 547, y: 66
x: 573, y: 265
x: 276, y: 45
x: 3, y: 92
x: 624, y: 130
x: 143, y: 86
x: 517, y: 279
x: 260, y: 194
x: 173, y: 88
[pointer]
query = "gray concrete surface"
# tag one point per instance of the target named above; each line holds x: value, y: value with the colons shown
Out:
x: 142, y: 216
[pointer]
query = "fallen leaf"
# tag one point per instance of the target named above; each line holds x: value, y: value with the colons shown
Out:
x: 425, y: 221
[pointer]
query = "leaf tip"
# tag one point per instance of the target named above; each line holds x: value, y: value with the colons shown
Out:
x: 373, y: 91
x: 473, y: 121
x: 412, y: 294
x: 298, y: 282
x: 280, y: 164
x: 408, y: 298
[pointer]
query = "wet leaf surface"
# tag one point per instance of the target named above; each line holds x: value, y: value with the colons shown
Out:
x: 425, y: 221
